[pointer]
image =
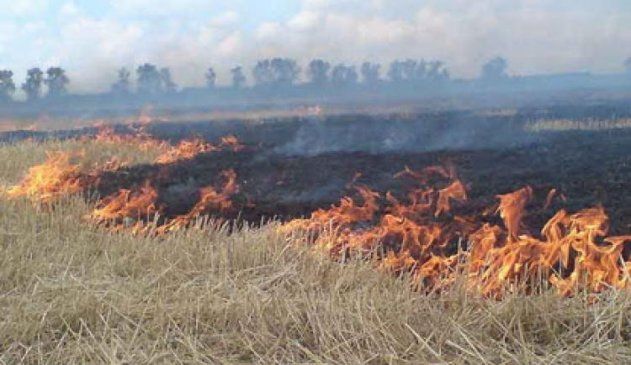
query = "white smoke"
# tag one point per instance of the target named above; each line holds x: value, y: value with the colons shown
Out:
x: 190, y: 35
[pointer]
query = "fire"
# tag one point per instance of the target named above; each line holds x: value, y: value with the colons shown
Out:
x: 454, y: 192
x: 573, y: 253
x: 55, y: 178
x: 127, y: 207
x: 512, y: 208
x: 133, y: 209
x: 139, y: 139
x: 211, y: 201
x: 431, y: 233
x: 189, y: 149
x: 186, y: 150
x: 414, y: 234
x: 232, y: 143
x: 422, y: 236
x: 58, y: 177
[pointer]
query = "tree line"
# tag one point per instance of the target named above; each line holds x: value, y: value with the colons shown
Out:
x: 54, y: 79
x: 285, y: 73
x: 274, y: 73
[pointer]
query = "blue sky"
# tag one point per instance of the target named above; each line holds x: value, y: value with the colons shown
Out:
x: 93, y: 38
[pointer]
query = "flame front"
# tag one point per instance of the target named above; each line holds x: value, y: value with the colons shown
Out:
x: 139, y: 139
x: 423, y: 233
x: 128, y: 207
x: 211, y: 201
x: 127, y: 203
x: 422, y: 237
x: 55, y: 178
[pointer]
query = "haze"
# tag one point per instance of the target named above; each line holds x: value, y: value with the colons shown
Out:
x: 91, y: 40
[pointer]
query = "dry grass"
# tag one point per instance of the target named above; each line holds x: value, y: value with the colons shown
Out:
x: 542, y: 125
x: 70, y: 293
x: 16, y: 159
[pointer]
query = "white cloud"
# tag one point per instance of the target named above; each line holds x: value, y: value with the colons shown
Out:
x: 230, y: 46
x: 191, y: 35
x: 69, y: 9
x: 534, y: 35
x: 305, y: 20
x: 269, y: 31
x: 164, y: 8
x: 227, y: 18
x: 25, y: 7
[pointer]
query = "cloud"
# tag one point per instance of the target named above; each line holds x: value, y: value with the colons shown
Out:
x: 227, y: 18
x: 536, y: 36
x: 69, y: 9
x: 304, y: 21
x: 22, y: 8
x: 144, y: 8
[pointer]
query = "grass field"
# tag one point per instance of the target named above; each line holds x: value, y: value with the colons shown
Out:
x: 73, y: 293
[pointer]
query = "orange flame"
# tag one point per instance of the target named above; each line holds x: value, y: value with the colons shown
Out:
x: 139, y: 139
x: 512, y: 208
x: 421, y: 233
x: 231, y: 142
x: 573, y: 254
x: 127, y: 205
x: 58, y: 177
x: 55, y: 178
x: 568, y: 255
x: 186, y: 150
x: 189, y: 149
x: 211, y: 201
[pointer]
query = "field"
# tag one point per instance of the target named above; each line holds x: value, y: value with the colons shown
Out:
x: 79, y: 285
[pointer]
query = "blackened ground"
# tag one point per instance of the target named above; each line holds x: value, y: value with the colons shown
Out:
x: 374, y: 133
x: 589, y: 168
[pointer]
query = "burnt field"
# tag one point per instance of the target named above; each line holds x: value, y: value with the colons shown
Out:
x: 289, y: 168
x: 436, y: 225
x: 588, y: 168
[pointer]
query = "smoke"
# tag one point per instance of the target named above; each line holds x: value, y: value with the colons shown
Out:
x: 448, y: 131
x: 190, y: 36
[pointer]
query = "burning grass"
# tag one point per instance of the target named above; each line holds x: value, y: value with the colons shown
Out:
x: 72, y: 293
x: 226, y: 292
x: 15, y: 159
x: 427, y: 238
x: 420, y: 234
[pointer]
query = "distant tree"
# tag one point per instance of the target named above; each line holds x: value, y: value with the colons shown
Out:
x: 276, y: 72
x: 403, y: 71
x: 168, y: 86
x: 435, y: 71
x: 494, y: 69
x: 627, y: 65
x: 33, y: 84
x: 421, y: 70
x: 371, y: 73
x: 262, y: 73
x: 410, y: 69
x: 211, y: 78
x: 395, y: 72
x: 286, y: 71
x: 123, y: 85
x: 57, y: 81
x: 417, y: 72
x: 344, y: 75
x: 7, y: 86
x: 318, y: 72
x: 149, y: 80
x: 238, y: 78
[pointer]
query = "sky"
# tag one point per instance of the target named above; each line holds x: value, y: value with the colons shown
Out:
x: 91, y: 39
